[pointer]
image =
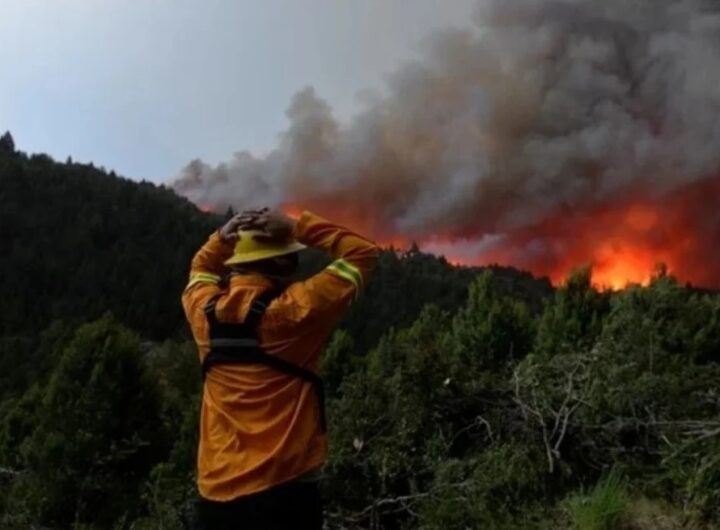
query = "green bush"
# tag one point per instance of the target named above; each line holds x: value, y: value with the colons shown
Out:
x: 91, y: 435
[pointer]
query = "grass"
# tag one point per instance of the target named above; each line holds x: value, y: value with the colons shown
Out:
x: 601, y: 506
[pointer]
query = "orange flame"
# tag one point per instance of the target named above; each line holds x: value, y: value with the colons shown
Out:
x: 623, y: 240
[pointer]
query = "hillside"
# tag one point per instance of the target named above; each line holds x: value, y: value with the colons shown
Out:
x: 457, y: 397
x: 80, y: 241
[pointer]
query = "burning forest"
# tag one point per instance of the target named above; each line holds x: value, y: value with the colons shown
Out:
x: 547, y: 136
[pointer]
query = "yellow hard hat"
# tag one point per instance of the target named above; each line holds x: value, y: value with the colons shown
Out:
x: 249, y: 249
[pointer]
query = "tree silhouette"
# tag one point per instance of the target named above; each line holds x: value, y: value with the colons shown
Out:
x: 7, y: 144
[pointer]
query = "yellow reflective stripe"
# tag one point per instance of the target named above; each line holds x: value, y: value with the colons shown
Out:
x: 203, y: 277
x: 347, y: 271
x: 350, y: 269
x: 344, y: 276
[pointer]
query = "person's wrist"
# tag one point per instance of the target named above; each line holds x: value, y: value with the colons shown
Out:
x: 223, y: 237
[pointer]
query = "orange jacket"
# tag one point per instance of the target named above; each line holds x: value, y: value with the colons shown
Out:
x: 260, y: 427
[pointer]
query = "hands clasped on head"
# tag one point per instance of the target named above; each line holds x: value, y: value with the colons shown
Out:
x: 269, y: 225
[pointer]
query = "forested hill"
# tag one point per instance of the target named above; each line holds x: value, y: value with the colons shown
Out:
x: 79, y: 241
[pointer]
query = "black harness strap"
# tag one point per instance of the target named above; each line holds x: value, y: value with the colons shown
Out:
x: 238, y: 343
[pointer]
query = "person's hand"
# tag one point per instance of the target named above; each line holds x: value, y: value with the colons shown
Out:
x: 274, y: 225
x: 229, y: 231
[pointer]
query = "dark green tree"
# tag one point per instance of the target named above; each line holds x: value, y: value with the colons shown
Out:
x: 7, y: 144
x: 491, y: 331
x: 97, y: 432
x: 573, y: 317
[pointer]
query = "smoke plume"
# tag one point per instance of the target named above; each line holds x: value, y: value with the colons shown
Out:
x: 550, y: 134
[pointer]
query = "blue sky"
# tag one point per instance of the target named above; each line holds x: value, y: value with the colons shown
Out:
x: 144, y: 86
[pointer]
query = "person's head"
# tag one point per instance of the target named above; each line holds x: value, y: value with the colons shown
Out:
x: 279, y: 267
x: 255, y: 252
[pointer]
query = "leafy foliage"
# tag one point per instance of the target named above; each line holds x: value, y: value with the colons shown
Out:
x: 91, y: 435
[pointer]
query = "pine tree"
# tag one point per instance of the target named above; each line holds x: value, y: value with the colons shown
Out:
x: 7, y: 144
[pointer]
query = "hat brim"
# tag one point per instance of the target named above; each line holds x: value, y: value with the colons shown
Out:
x: 265, y: 253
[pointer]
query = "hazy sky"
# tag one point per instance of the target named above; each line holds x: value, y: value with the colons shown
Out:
x: 143, y: 86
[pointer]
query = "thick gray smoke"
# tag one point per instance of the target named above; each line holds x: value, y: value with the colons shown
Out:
x: 544, y: 106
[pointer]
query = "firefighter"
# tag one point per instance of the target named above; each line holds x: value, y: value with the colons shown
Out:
x: 259, y: 334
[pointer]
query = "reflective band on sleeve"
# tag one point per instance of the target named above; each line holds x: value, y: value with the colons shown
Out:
x: 203, y: 277
x: 347, y: 271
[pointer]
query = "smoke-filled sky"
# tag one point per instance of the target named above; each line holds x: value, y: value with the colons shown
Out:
x: 543, y: 134
x: 549, y: 134
x: 143, y: 86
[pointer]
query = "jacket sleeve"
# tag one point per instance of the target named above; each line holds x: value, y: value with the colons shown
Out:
x: 206, y: 272
x: 323, y: 298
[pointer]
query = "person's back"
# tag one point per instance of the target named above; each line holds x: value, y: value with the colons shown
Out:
x: 261, y: 426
